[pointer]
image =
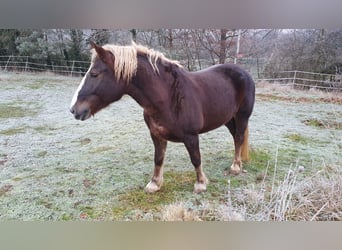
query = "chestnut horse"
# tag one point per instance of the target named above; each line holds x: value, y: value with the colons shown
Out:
x: 178, y: 105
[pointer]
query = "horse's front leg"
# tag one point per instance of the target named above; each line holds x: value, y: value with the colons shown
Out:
x: 159, y: 152
x: 192, y: 145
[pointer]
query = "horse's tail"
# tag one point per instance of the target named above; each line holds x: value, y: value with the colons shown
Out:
x: 245, y: 147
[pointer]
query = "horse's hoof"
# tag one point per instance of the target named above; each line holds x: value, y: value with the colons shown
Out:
x: 234, y: 171
x: 235, y: 168
x: 200, y: 187
x: 152, y: 187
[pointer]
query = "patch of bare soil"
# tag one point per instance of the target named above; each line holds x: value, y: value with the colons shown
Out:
x: 5, y: 189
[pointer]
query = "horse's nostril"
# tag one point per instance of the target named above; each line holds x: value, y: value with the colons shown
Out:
x: 85, y: 112
x: 72, y: 110
x: 84, y: 115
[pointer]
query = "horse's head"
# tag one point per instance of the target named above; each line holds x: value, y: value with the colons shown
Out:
x: 99, y: 87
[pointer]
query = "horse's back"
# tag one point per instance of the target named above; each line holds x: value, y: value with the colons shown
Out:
x: 228, y: 80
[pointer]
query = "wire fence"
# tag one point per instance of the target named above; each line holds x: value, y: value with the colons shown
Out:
x: 307, y: 80
x: 29, y: 64
x: 296, y: 79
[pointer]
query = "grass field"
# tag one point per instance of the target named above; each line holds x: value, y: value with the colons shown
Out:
x: 53, y: 167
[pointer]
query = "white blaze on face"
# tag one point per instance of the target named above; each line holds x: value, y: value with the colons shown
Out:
x: 74, y: 98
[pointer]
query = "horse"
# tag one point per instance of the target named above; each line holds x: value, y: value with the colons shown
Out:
x: 178, y: 105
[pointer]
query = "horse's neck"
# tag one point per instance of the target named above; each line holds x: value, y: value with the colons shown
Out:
x: 147, y: 89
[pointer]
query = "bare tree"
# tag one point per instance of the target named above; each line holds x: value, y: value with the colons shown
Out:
x: 223, y: 45
x: 100, y: 36
x: 307, y: 50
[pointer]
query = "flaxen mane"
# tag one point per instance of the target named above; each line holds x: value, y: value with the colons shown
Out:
x: 126, y: 61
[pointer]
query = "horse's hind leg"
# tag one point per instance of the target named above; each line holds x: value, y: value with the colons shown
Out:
x: 159, y: 153
x: 238, y: 127
x: 191, y: 143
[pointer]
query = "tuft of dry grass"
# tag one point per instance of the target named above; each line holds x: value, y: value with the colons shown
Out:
x: 320, y: 197
x: 295, y: 198
x: 206, y: 211
x: 178, y: 212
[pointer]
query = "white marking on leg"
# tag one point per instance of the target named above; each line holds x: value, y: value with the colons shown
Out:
x: 202, y: 181
x: 200, y: 187
x: 152, y: 187
x: 74, y: 98
x: 235, y: 168
x: 237, y: 164
x: 157, y: 180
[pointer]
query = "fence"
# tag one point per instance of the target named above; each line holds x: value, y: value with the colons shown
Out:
x: 307, y: 80
x: 29, y: 64
x: 297, y: 79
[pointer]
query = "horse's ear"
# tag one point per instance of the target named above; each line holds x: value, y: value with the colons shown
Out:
x: 103, y: 54
x: 93, y: 45
x: 99, y: 50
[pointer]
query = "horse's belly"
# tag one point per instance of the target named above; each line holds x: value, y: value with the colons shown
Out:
x: 213, y: 125
x: 215, y: 118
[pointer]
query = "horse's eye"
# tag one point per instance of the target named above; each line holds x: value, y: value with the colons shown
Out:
x: 94, y: 73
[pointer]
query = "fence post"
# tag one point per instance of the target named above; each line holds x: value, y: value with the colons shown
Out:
x: 26, y: 64
x: 294, y: 78
x: 9, y: 59
x: 72, y: 67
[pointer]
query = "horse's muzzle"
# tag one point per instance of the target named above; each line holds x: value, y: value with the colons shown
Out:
x: 80, y: 115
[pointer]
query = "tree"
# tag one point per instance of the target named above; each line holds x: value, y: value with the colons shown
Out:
x: 32, y: 43
x: 307, y: 50
x: 134, y: 34
x: 99, y: 36
x: 223, y: 45
x: 75, y: 50
x: 7, y: 41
